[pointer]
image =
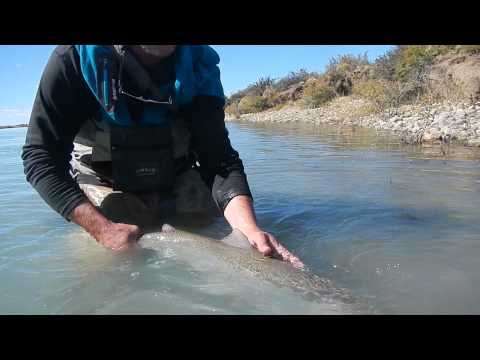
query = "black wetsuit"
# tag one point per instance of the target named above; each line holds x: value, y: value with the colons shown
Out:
x: 64, y: 102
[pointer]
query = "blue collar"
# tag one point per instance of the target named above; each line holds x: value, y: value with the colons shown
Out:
x: 196, y: 73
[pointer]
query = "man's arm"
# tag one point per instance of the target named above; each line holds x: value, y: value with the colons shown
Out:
x: 220, y: 165
x: 222, y: 170
x: 62, y: 104
x: 59, y: 111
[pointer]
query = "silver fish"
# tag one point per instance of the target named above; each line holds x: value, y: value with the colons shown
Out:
x: 235, y: 252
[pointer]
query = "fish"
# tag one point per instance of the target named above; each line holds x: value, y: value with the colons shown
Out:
x: 240, y: 258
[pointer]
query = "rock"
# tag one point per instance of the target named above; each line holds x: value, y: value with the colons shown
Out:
x: 442, y: 117
x: 461, y: 135
x: 473, y: 142
x: 446, y: 130
x: 398, y: 126
x: 460, y: 114
x: 431, y: 135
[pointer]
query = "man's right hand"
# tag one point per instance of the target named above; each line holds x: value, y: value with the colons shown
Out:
x: 114, y: 236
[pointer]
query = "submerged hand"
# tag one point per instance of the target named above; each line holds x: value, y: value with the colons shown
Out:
x: 114, y: 236
x: 117, y: 236
x: 268, y: 245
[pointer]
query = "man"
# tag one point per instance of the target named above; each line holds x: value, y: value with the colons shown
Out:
x: 144, y: 123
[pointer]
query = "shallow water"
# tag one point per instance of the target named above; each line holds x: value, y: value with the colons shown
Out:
x: 397, y: 225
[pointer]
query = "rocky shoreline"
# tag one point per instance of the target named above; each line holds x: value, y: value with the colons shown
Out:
x: 435, y: 123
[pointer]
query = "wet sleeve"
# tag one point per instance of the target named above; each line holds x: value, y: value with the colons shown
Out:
x: 220, y: 165
x: 57, y: 115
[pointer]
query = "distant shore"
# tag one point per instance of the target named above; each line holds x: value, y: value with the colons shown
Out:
x: 13, y: 126
x: 456, y: 123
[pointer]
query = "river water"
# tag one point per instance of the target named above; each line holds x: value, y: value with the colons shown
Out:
x: 396, y: 225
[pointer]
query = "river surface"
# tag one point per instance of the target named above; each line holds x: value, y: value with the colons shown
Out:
x: 396, y: 225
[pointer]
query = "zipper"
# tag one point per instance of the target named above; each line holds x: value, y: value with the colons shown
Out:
x: 106, y: 83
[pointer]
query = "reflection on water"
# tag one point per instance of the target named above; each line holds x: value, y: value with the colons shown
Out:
x: 359, y: 138
x: 396, y: 224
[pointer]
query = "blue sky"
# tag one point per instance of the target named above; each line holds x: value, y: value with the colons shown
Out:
x: 21, y: 67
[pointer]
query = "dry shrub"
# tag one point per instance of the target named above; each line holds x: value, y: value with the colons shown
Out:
x: 252, y: 104
x: 383, y: 94
x: 443, y: 90
x: 232, y: 109
x: 317, y: 93
x: 293, y: 78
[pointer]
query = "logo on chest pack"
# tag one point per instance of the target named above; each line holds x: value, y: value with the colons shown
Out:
x: 146, y: 171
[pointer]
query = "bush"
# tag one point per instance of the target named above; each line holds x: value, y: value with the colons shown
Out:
x: 346, y: 63
x: 412, y: 69
x: 262, y: 84
x: 343, y: 65
x: 402, y: 62
x: 340, y: 70
x: 385, y: 66
x: 232, y: 109
x: 255, y: 89
x: 252, y: 104
x: 292, y: 78
x: 272, y: 97
x: 436, y: 50
x: 441, y: 91
x: 236, y: 97
x: 413, y: 60
x: 316, y: 94
x: 383, y: 94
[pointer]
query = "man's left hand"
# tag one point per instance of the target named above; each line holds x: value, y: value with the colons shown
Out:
x: 268, y: 245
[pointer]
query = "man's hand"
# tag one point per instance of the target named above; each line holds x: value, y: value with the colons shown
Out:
x: 114, y: 236
x: 240, y: 215
x: 268, y: 245
x: 117, y: 236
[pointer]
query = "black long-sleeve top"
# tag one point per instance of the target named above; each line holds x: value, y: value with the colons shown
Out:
x: 64, y: 102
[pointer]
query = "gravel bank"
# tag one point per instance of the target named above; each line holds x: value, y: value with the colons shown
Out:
x: 458, y: 123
